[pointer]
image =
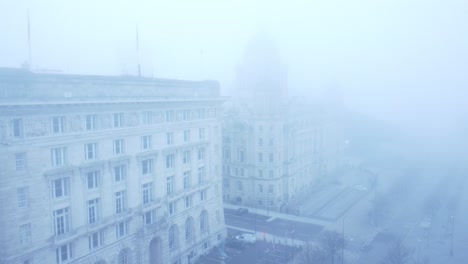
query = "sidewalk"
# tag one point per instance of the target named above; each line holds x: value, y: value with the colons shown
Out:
x: 274, y: 215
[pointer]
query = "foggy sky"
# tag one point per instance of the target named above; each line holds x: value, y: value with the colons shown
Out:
x: 405, y: 61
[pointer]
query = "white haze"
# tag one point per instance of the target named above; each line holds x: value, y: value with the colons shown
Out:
x: 403, y: 62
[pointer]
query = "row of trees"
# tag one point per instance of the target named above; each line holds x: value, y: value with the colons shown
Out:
x: 326, y: 251
x: 331, y: 243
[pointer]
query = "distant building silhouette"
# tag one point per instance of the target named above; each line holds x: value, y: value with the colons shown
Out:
x: 274, y: 147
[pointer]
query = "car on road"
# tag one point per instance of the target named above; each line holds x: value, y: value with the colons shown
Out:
x: 360, y: 188
x: 242, y: 211
x: 247, y: 238
x: 234, y: 243
x: 426, y: 223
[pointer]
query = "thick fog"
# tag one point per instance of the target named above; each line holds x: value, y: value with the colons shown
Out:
x: 398, y: 69
x: 402, y: 61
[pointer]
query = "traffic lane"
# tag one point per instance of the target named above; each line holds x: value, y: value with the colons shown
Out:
x: 277, y: 227
x: 298, y: 230
x: 266, y: 251
x: 404, y: 222
x: 249, y: 215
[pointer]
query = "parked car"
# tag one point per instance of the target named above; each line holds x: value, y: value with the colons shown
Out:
x: 360, y: 188
x: 247, y: 238
x: 242, y: 211
x: 234, y: 243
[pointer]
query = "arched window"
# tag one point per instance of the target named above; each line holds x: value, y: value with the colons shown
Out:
x: 204, y: 221
x: 123, y: 257
x: 189, y: 229
x: 173, y: 237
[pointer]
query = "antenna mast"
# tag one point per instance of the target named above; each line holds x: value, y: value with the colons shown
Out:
x: 138, y: 52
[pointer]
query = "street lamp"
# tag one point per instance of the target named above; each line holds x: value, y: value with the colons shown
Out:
x: 419, y: 250
x: 255, y: 217
x: 342, y: 242
x: 292, y: 243
x: 452, y: 218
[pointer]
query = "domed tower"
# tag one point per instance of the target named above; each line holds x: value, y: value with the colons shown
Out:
x: 261, y: 75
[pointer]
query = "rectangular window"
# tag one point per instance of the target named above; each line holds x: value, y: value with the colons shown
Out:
x: 60, y: 187
x: 218, y: 216
x: 172, y: 208
x: 147, y: 166
x: 90, y: 151
x: 271, y: 157
x: 186, y: 180
x: 25, y: 234
x: 146, y: 142
x: 59, y: 156
x: 58, y: 124
x: 201, y: 133
x: 203, y: 195
x: 227, y: 153
x: 188, y: 201
x: 260, y: 157
x: 260, y: 188
x: 271, y: 142
x: 169, y: 138
x: 92, y: 180
x: 186, y: 136
x: 120, y: 173
x: 149, y: 217
x: 260, y: 173
x: 93, y: 210
x: 170, y: 160
x: 146, y: 118
x: 271, y: 173
x: 118, y: 120
x: 147, y: 192
x: 61, y: 221
x: 260, y: 142
x: 169, y: 116
x: 186, y: 115
x: 23, y: 197
x: 120, y: 202
x: 239, y: 186
x: 242, y: 171
x: 17, y: 127
x: 201, y: 175
x: 270, y: 189
x: 118, y: 146
x: 121, y: 229
x: 91, y: 122
x: 186, y: 157
x: 170, y: 185
x: 201, y: 154
x: 20, y: 161
x: 241, y: 156
x: 201, y: 113
x: 95, y: 240
x: 64, y: 254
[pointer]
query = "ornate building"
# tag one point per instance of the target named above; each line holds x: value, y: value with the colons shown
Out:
x: 274, y: 147
x: 102, y: 169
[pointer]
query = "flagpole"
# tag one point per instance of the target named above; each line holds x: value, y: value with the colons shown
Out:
x: 138, y: 51
x: 29, y: 41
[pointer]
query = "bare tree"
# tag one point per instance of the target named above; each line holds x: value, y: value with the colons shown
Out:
x: 332, y: 242
x: 310, y: 254
x: 424, y: 260
x: 398, y: 253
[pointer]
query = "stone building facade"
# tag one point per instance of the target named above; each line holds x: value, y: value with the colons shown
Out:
x: 274, y: 147
x: 102, y: 169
